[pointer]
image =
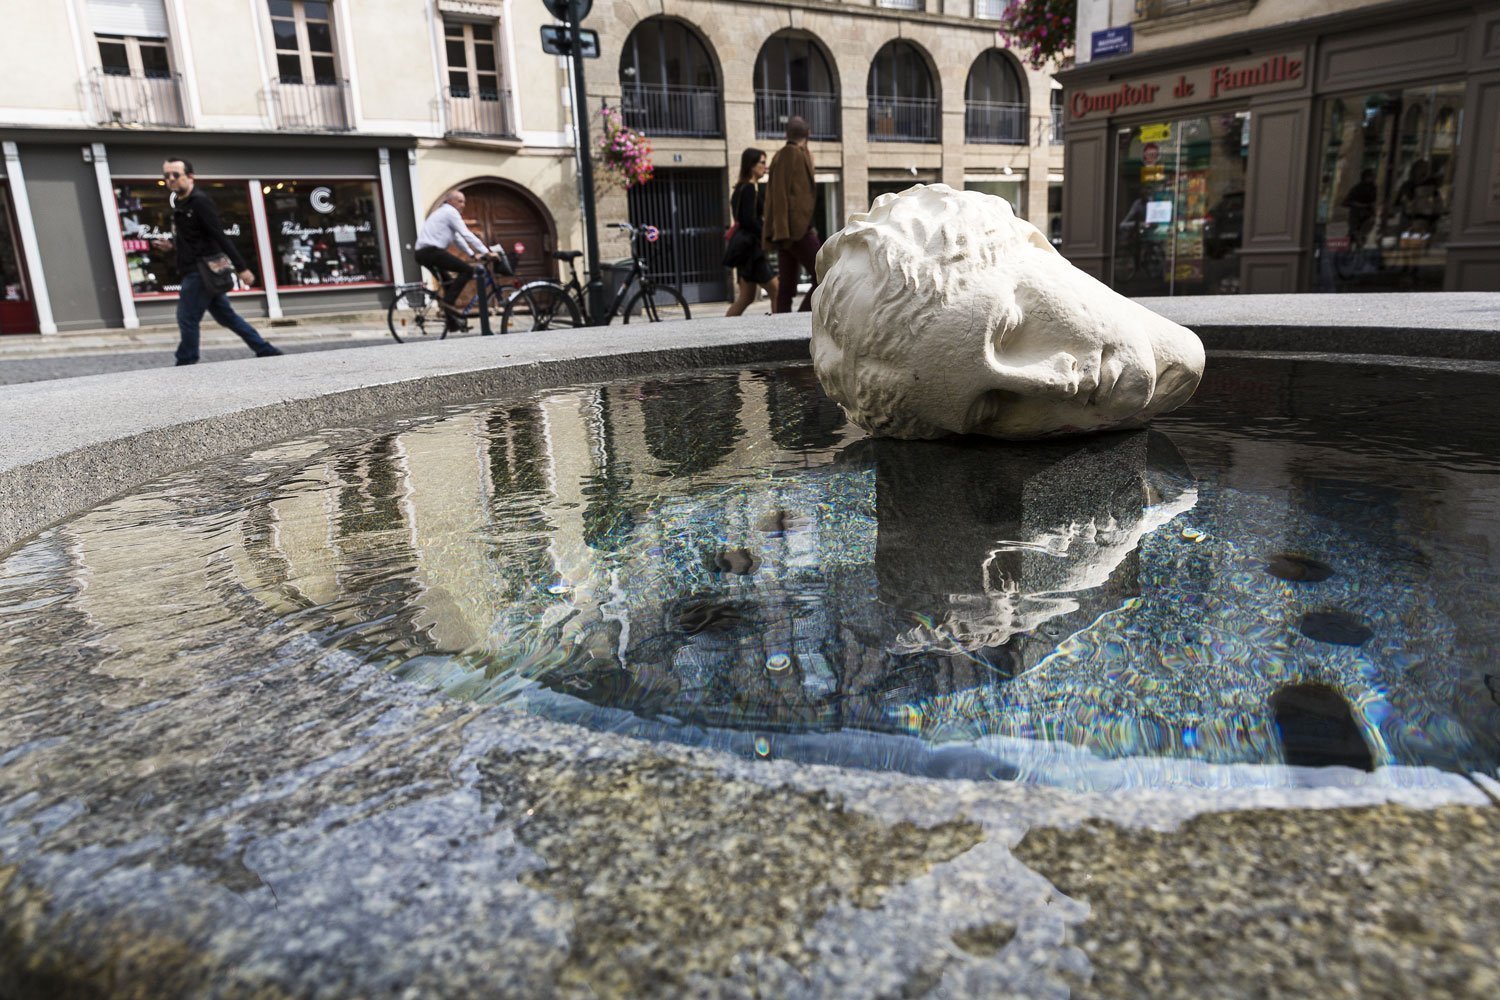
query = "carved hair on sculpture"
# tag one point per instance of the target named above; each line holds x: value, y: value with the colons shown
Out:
x: 939, y: 312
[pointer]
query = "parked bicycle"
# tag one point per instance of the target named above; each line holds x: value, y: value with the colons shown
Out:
x: 418, y: 311
x: 548, y: 305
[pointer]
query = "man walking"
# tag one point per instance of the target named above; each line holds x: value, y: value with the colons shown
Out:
x: 444, y: 227
x: 791, y: 196
x: 199, y: 236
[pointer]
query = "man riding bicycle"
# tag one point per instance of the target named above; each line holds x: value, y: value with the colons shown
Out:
x: 442, y: 229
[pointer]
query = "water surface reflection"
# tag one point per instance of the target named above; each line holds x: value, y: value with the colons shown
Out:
x: 719, y: 558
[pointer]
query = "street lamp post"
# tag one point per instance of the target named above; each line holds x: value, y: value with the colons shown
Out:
x: 572, y: 13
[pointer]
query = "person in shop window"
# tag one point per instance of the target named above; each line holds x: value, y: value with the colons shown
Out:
x: 1360, y: 201
x: 198, y: 234
x: 441, y: 230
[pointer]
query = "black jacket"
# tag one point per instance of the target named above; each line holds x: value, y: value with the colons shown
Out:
x: 200, y: 233
x: 746, y: 209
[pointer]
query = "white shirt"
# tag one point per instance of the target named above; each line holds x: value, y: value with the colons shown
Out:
x: 444, y: 227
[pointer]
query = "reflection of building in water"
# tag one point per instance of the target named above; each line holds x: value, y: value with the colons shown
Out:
x: 735, y: 556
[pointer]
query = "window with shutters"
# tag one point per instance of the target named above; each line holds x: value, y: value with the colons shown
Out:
x: 122, y: 55
x: 132, y: 78
x: 478, y: 102
x: 302, y: 33
x: 473, y: 60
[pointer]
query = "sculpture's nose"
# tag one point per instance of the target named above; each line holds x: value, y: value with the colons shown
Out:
x: 1179, y: 363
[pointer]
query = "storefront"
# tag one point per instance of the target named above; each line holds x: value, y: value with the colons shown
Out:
x: 1356, y: 152
x: 323, y: 224
x: 16, y: 312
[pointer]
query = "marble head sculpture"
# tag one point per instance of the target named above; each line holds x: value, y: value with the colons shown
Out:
x: 939, y: 312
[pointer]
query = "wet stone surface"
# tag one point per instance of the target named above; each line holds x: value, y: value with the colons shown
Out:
x: 250, y: 743
x: 1382, y: 902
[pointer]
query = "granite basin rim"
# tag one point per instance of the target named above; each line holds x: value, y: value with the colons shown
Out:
x: 73, y: 443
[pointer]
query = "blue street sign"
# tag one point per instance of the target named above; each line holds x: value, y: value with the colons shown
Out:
x: 1112, y: 42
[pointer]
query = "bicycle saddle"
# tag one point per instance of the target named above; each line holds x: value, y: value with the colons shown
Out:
x: 566, y: 254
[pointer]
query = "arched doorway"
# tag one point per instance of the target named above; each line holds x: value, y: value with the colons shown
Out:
x: 505, y: 213
x: 903, y: 93
x: 669, y: 81
x: 995, y: 101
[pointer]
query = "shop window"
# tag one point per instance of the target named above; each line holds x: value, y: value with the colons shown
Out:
x: 1385, y: 189
x: 303, y: 34
x: 325, y: 232
x: 1008, y: 188
x: 1054, y: 212
x: 145, y: 209
x: 1180, y: 205
x: 16, y: 312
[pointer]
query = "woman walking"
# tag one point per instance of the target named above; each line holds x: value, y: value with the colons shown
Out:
x: 745, y: 252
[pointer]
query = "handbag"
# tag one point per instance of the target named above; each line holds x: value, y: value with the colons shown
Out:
x: 740, y: 250
x: 216, y: 272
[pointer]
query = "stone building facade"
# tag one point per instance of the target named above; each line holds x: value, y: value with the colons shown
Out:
x: 900, y: 91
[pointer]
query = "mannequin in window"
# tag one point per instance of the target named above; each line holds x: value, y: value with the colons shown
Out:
x: 1420, y: 199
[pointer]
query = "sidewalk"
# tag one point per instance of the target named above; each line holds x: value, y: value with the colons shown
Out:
x: 292, y: 329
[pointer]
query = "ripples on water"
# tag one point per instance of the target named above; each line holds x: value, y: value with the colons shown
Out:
x: 719, y: 559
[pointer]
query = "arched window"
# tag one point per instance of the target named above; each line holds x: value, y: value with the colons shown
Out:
x: 903, y: 95
x: 669, y: 83
x: 794, y: 76
x: 994, y: 100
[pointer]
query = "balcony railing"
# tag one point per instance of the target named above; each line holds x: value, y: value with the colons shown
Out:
x: 479, y: 112
x: 139, y: 100
x: 1056, y: 136
x: 903, y: 119
x: 315, y: 107
x: 989, y: 10
x: 901, y: 4
x: 995, y: 122
x: 773, y: 108
x: 663, y: 109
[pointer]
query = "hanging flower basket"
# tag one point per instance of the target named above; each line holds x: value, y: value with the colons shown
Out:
x: 1041, y: 31
x: 623, y: 154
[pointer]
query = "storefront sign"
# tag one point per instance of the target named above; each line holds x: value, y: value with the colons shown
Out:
x: 1242, y: 77
x: 1112, y: 42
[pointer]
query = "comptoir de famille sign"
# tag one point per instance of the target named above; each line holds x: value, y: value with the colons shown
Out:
x: 1258, y: 75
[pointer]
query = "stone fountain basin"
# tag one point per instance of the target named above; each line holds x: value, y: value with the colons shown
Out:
x: 323, y: 829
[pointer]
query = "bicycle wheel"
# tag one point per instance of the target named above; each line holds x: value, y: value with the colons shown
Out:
x: 657, y: 304
x: 415, y: 313
x: 541, y: 305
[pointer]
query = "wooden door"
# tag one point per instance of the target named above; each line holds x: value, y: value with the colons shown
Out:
x: 508, y: 214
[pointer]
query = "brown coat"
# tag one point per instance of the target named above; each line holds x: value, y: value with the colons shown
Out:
x: 791, y: 195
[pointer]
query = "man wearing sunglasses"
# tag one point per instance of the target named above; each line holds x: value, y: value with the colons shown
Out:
x: 199, y: 235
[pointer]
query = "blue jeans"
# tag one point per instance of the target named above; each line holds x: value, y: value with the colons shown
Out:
x: 192, y: 302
